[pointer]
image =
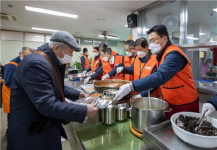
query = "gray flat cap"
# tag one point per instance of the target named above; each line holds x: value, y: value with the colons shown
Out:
x: 66, y: 38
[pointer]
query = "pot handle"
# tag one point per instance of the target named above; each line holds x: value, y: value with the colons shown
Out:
x: 168, y: 110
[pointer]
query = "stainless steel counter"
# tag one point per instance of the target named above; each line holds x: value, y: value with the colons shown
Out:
x: 156, y: 137
x: 162, y: 137
x: 206, y: 87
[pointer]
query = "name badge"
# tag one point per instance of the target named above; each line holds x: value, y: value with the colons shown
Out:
x: 147, y: 67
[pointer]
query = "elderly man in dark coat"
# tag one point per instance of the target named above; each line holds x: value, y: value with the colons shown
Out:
x: 37, y: 109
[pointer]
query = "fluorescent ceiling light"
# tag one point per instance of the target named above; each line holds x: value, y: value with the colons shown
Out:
x: 108, y: 36
x: 215, y: 9
x: 51, y: 12
x: 100, y: 35
x: 112, y: 37
x: 42, y: 29
x: 201, y: 33
x: 192, y: 38
x: 126, y: 25
x: 145, y: 29
x: 87, y: 41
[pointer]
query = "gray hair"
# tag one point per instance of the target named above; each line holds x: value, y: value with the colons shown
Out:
x: 53, y: 43
x: 24, y: 48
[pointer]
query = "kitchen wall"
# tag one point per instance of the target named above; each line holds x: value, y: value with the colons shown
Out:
x: 11, y: 43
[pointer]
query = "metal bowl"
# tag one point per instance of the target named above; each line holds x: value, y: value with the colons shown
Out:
x: 102, y: 85
x: 110, y: 93
x: 194, y: 139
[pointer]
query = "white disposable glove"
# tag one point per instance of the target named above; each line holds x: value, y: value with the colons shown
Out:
x: 123, y: 91
x: 119, y: 69
x: 87, y: 80
x: 135, y: 97
x: 92, y: 73
x: 105, y: 77
x: 209, y: 108
x: 84, y: 72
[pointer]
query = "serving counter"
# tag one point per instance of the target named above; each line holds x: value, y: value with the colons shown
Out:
x: 94, y: 135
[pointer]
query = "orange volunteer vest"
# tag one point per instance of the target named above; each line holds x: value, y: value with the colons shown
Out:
x: 94, y: 64
x: 128, y: 61
x: 113, y: 53
x: 86, y: 62
x: 142, y: 70
x: 107, y: 67
x: 6, y: 92
x: 181, y: 88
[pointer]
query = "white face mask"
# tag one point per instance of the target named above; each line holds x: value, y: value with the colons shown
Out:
x: 105, y: 58
x: 95, y: 54
x: 66, y: 59
x: 129, y: 54
x: 141, y: 54
x: 155, y: 48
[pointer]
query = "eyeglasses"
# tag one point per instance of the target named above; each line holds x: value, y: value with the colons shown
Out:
x: 153, y: 40
x: 138, y: 49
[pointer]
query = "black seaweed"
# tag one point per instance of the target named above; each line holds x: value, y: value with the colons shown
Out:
x: 188, y: 123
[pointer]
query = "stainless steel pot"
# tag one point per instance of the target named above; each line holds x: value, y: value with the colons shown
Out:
x: 121, y: 112
x: 108, y: 115
x: 143, y: 116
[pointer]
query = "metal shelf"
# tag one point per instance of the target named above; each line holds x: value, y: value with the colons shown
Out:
x: 199, y: 45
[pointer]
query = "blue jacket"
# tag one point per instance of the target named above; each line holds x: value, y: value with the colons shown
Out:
x: 9, y: 71
x: 173, y: 63
x: 36, y: 107
x: 213, y: 101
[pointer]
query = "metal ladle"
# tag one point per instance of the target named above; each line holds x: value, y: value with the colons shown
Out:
x: 198, y: 124
x: 149, y: 99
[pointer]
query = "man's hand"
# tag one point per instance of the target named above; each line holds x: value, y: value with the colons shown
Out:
x: 209, y: 108
x: 123, y: 91
x: 105, y: 77
x: 82, y: 95
x: 87, y: 80
x: 119, y: 69
x: 91, y: 110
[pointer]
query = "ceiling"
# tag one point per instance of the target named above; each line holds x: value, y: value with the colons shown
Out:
x: 114, y: 14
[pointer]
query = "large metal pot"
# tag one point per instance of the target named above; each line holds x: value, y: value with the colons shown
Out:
x: 143, y: 117
x: 102, y: 85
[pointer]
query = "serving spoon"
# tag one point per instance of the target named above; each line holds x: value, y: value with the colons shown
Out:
x: 198, y: 124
